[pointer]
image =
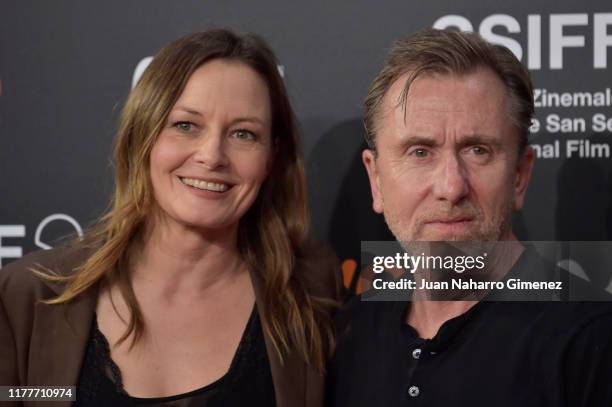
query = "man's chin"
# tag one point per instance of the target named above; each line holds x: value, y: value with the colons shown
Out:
x: 474, y: 230
x: 449, y: 236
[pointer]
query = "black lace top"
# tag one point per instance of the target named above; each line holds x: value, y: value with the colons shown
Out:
x: 247, y: 382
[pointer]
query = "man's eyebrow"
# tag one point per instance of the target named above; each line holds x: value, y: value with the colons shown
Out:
x: 414, y: 140
x: 474, y: 139
x: 469, y: 140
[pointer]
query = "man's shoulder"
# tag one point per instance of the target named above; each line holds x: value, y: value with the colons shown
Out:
x: 563, y: 312
x: 576, y: 316
x: 360, y: 318
x: 359, y: 308
x: 554, y: 325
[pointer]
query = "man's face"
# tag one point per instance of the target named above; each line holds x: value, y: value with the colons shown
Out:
x: 447, y: 166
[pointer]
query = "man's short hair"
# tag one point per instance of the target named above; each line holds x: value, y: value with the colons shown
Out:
x: 450, y: 52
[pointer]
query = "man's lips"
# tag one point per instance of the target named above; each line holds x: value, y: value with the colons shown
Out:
x: 452, y: 225
x: 450, y: 221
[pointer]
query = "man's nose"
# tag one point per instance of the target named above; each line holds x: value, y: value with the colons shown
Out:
x: 451, y: 181
x: 210, y: 150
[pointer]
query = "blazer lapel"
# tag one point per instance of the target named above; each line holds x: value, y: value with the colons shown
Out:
x: 59, y: 340
x: 288, y: 376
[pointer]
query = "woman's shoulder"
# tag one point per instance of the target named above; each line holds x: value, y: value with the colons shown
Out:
x: 18, y: 282
x: 319, y: 268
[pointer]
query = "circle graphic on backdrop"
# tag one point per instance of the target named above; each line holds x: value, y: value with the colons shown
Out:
x: 52, y: 218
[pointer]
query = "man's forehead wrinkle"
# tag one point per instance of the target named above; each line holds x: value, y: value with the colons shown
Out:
x: 430, y: 103
x: 434, y: 106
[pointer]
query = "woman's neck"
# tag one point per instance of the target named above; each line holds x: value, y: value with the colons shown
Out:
x: 174, y: 260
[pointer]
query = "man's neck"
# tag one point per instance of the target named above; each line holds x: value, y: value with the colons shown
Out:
x: 426, y: 316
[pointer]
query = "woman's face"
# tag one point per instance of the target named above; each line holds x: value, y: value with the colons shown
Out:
x: 214, y: 151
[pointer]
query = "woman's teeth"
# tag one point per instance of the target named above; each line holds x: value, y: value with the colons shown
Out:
x: 207, y: 186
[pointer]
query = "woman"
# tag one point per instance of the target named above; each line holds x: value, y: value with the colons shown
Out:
x: 198, y: 286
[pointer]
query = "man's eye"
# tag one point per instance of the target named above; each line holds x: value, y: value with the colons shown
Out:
x: 420, y: 152
x: 479, y: 150
x: 244, y: 135
x: 183, y: 126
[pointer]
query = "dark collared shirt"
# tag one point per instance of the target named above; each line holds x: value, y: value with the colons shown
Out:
x: 495, y: 354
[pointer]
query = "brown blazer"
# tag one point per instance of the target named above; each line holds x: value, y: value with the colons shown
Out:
x: 44, y: 344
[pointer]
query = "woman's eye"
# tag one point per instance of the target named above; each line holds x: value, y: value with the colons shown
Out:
x: 244, y: 135
x: 183, y: 126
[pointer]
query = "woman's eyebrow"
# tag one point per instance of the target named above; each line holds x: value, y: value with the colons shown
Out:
x: 250, y: 119
x: 241, y: 119
x: 188, y: 110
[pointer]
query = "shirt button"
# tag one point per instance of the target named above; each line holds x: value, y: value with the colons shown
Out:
x: 413, y: 391
x: 416, y: 353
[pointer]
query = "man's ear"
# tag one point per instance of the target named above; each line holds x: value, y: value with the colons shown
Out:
x: 523, y: 175
x: 369, y: 160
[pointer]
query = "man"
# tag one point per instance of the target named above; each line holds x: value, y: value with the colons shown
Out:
x: 447, y: 121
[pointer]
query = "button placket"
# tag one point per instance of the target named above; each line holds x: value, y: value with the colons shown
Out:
x: 419, y: 351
